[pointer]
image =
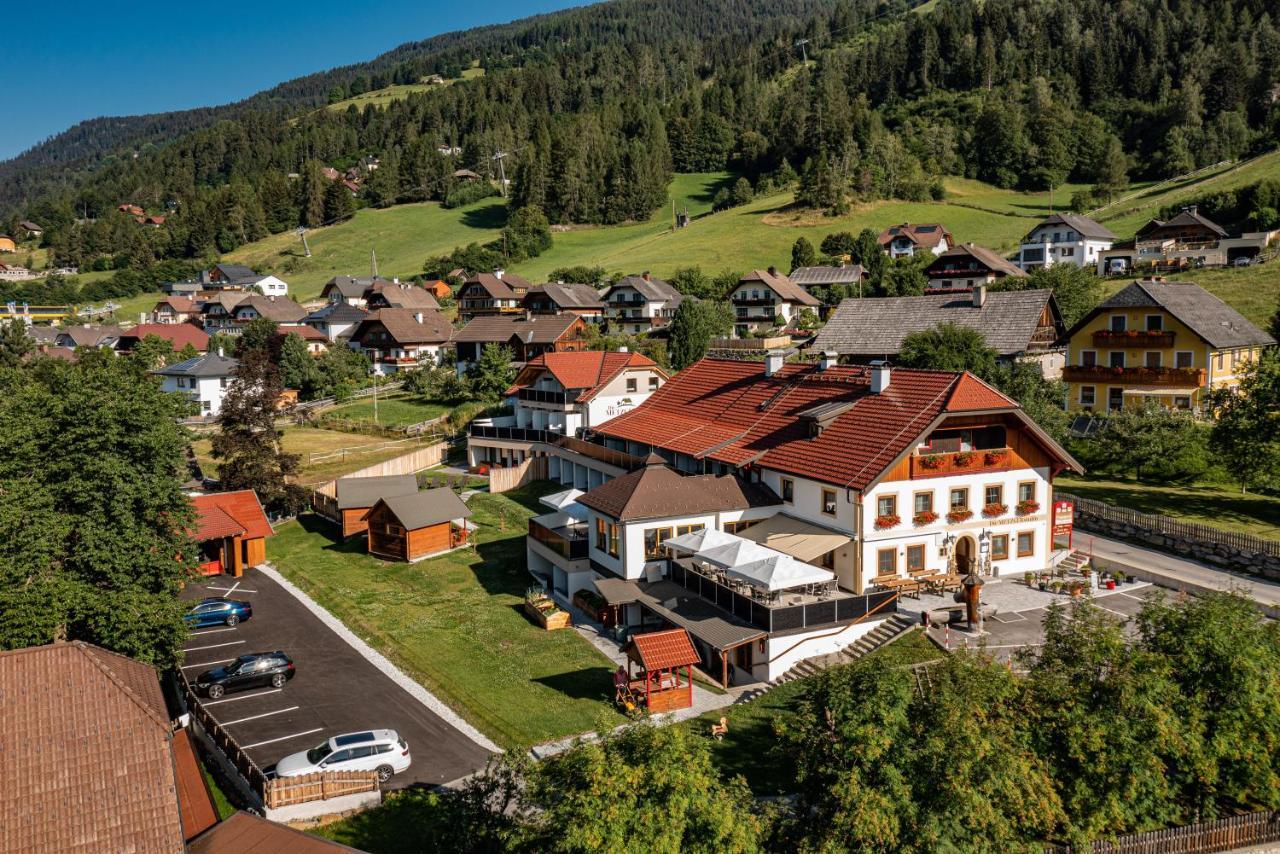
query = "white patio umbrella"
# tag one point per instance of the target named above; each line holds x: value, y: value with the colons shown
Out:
x: 780, y: 572
x: 734, y: 553
x: 696, y: 541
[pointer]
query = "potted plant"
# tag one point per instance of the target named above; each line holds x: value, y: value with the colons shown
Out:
x: 994, y: 458
x: 960, y: 514
x: 888, y: 520
x: 931, y: 461
x: 963, y: 458
x: 1029, y: 578
x: 1120, y: 576
x: 991, y: 511
x: 1044, y: 582
x: 925, y: 517
x: 1109, y: 584
x: 1026, y: 508
x: 1085, y: 572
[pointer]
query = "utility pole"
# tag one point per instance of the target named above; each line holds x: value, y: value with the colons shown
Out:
x: 375, y: 397
x: 804, y: 52
x: 302, y: 232
x: 502, y: 170
x: 373, y: 263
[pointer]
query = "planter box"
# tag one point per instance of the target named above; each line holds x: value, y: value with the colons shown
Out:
x: 558, y: 619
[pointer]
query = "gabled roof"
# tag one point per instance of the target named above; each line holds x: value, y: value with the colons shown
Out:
x: 590, y: 370
x: 228, y: 300
x: 90, y: 336
x: 357, y: 492
x: 246, y: 833
x: 279, y: 309
x: 499, y: 329
x: 567, y: 295
x: 89, y: 764
x: 657, y: 491
x: 242, y: 505
x: 306, y: 333
x: 403, y: 295
x: 1200, y: 311
x: 337, y: 313
x: 179, y: 304
x: 729, y: 411
x: 1188, y: 216
x: 663, y: 650
x: 652, y: 289
x: 422, y: 509
x: 178, y: 334
x: 877, y: 327
x: 788, y: 290
x: 29, y: 225
x: 826, y: 275
x: 208, y: 365
x: 234, y: 272
x: 924, y: 235
x: 984, y: 256
x: 403, y: 326
x: 1081, y: 224
x: 498, y: 287
x: 351, y: 287
x: 214, y: 523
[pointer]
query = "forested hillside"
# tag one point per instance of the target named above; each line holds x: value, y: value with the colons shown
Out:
x: 596, y: 108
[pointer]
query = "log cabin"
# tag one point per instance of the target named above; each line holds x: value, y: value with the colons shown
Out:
x: 417, y: 526
x: 357, y: 495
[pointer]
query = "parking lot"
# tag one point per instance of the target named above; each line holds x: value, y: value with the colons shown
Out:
x: 335, y: 689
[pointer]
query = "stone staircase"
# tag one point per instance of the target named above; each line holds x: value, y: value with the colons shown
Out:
x: 1073, y: 561
x: 888, y: 631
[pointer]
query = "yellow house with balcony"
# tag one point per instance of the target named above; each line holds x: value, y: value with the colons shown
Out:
x: 1171, y: 342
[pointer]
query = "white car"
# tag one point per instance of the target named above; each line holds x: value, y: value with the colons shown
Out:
x: 380, y: 750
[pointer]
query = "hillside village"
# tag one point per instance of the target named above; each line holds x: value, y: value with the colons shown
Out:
x: 623, y: 487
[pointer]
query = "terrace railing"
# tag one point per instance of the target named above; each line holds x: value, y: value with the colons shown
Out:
x: 570, y: 545
x: 1133, y: 338
x: 534, y: 395
x: 1193, y: 377
x: 511, y: 434
x: 961, y: 462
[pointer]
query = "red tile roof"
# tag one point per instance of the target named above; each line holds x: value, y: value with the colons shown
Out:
x: 728, y: 410
x: 195, y: 802
x: 663, y: 650
x: 242, y: 507
x: 214, y: 523
x: 307, y: 333
x: 178, y: 334
x: 245, y: 833
x: 590, y: 370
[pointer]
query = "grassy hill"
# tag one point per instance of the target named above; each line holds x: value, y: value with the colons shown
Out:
x: 389, y: 94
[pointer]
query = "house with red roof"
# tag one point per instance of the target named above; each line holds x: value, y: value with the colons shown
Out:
x: 232, y: 530
x: 777, y: 511
x: 177, y: 334
x: 563, y: 393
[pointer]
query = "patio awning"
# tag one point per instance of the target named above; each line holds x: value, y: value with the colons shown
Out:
x: 696, y: 541
x: 733, y: 553
x: 1160, y: 391
x: 780, y: 572
x: 617, y: 591
x: 789, y: 535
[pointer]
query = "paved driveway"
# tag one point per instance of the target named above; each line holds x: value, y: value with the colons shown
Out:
x: 335, y: 689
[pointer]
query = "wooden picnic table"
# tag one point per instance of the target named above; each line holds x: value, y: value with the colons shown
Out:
x: 943, y: 581
x: 905, y: 586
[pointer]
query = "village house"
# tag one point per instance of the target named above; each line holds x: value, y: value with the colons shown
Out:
x: 763, y: 299
x: 1169, y: 342
x: 33, y: 231
x: 203, y: 380
x: 525, y: 335
x: 217, y: 313
x: 498, y: 292
x: 238, y: 277
x: 354, y: 497
x: 349, y: 289
x: 276, y: 309
x: 1018, y: 325
x: 95, y: 763
x: 1064, y: 239
x: 402, y: 339
x: 130, y: 209
x: 16, y: 273
x: 175, y: 309
x: 563, y: 394
x: 438, y: 288
x: 768, y: 509
x: 179, y: 335
x: 1189, y: 239
x: 231, y: 530
x: 337, y: 320
x: 88, y: 335
x: 317, y: 342
x: 558, y: 298
x: 417, y: 526
x: 967, y: 265
x: 905, y: 240
x: 639, y: 304
x: 397, y: 294
x: 825, y: 277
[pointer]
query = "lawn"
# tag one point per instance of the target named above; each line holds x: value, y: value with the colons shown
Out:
x: 750, y: 748
x: 384, y: 96
x: 1220, y: 507
x: 455, y: 623
x: 221, y: 803
x: 393, y: 410
x: 341, y: 452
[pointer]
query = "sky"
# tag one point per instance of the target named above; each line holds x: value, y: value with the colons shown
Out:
x: 74, y: 59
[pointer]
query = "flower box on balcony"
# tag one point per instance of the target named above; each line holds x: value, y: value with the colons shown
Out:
x: 1026, y: 508
x: 994, y: 458
x: 1133, y: 338
x: 931, y: 461
x: 963, y: 459
x: 925, y: 517
x: 888, y: 520
x: 959, y: 515
x: 992, y: 511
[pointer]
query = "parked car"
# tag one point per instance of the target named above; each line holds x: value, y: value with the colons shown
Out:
x: 218, y: 611
x: 255, y: 670
x: 380, y: 750
x: 1243, y: 261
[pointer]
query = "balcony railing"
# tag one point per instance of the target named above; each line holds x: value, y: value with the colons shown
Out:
x: 534, y: 395
x: 511, y: 434
x: 1193, y: 377
x: 619, y: 459
x: 961, y: 462
x: 569, y: 543
x: 1133, y: 338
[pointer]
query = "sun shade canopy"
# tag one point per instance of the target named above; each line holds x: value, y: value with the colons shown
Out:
x: 794, y: 537
x: 780, y: 572
x: 700, y: 540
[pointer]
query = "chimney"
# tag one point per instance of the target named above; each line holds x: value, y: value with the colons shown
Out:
x: 879, y: 376
x: 645, y: 275
x: 979, y: 296
x: 830, y: 359
x: 418, y: 317
x: 773, y: 271
x: 142, y: 317
x: 623, y: 349
x: 773, y: 360
x: 499, y: 274
x: 219, y: 351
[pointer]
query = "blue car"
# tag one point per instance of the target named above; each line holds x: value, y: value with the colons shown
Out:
x: 217, y: 611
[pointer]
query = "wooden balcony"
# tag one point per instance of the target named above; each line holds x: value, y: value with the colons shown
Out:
x: 1141, y: 338
x: 961, y: 462
x: 1187, y: 377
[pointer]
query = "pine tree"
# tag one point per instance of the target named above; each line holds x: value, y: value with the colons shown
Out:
x: 338, y: 203
x: 311, y: 195
x: 15, y: 344
x: 802, y: 254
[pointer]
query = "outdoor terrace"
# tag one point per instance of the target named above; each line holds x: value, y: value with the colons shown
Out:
x: 569, y: 541
x: 1191, y: 377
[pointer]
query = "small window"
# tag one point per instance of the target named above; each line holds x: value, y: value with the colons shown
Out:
x: 915, y: 558
x: 993, y: 495
x: 999, y: 546
x: 653, y: 383
x: 886, y: 562
x: 788, y: 490
x: 1116, y: 358
x: 394, y: 530
x: 613, y: 539
x: 1153, y: 359
x: 960, y: 498
x: 1088, y: 395
x: 1027, y: 490
x: 602, y: 535
x: 1220, y: 361
x: 631, y: 385
x: 1115, y: 399
x: 887, y: 505
x: 1088, y: 358
x: 1182, y: 402
x: 924, y: 502
x: 1155, y: 323
x: 1119, y: 323
x: 1026, y: 543
x: 653, y: 540
x: 1183, y: 359
x: 829, y: 502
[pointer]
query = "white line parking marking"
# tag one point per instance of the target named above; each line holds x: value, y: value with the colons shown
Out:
x: 207, y: 663
x: 263, y: 715
x: 281, y: 738
x: 244, y: 697
x: 212, y: 646
x: 198, y: 632
x: 227, y: 591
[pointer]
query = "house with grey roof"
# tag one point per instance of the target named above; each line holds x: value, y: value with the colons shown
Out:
x: 336, y: 319
x: 416, y: 526
x: 763, y: 299
x: 1064, y: 239
x: 825, y: 277
x: 203, y: 380
x: 964, y: 266
x: 639, y: 304
x: 1016, y: 324
x: 564, y: 298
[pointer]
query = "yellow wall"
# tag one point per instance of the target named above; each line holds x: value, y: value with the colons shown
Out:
x: 1220, y: 367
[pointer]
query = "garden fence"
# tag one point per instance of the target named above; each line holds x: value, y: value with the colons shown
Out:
x: 1204, y: 837
x: 1085, y: 508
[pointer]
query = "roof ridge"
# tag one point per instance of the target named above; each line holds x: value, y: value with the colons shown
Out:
x: 83, y: 647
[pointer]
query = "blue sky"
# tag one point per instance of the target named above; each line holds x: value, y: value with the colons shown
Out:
x: 69, y: 60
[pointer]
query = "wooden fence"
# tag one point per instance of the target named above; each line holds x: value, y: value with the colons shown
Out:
x: 1154, y: 524
x: 506, y: 479
x: 355, y: 395
x: 1201, y: 838
x: 228, y: 746
x: 324, y: 500
x: 287, y: 791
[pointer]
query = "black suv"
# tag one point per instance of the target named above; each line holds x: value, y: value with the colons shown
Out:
x: 258, y: 669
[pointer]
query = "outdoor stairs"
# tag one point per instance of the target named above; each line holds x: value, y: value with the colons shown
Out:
x: 889, y: 630
x: 1073, y: 561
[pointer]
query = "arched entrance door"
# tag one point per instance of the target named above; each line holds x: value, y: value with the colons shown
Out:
x: 966, y: 551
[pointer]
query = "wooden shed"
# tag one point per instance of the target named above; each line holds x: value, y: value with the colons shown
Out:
x: 659, y: 684
x: 412, y: 527
x: 357, y: 495
x: 232, y: 530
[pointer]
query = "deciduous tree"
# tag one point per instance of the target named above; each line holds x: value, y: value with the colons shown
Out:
x: 948, y: 347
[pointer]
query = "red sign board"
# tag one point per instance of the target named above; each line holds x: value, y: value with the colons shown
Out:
x: 1063, y: 513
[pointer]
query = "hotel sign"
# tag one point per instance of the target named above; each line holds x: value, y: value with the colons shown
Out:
x: 1063, y: 516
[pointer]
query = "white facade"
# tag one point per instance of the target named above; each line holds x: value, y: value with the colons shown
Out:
x: 1060, y: 244
x: 206, y: 393
x: 272, y: 287
x: 904, y: 247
